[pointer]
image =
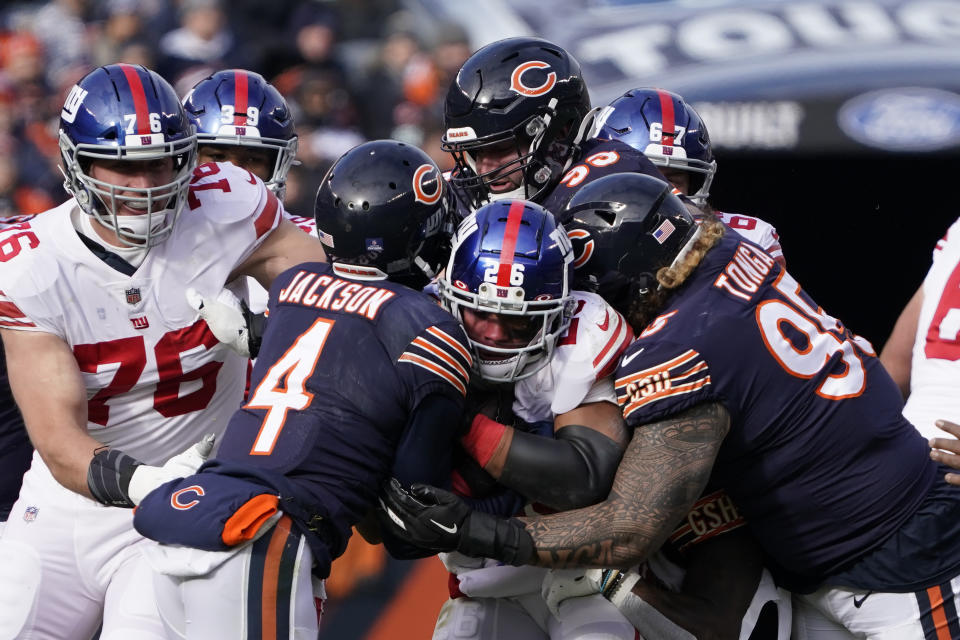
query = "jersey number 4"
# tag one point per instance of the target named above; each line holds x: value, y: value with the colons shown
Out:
x: 283, y: 386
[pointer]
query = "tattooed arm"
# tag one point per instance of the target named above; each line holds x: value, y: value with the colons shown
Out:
x: 662, y: 473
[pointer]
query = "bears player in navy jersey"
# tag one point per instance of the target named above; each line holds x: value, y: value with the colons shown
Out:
x: 738, y: 375
x: 518, y: 123
x: 358, y: 377
x: 512, y: 120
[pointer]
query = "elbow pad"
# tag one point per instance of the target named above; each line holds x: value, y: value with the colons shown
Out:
x: 572, y: 470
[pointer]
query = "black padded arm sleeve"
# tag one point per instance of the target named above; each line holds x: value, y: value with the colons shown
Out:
x: 424, y: 455
x: 572, y: 470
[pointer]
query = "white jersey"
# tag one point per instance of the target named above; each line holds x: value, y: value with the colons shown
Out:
x: 756, y: 231
x: 157, y: 379
x: 249, y: 289
x: 935, y: 362
x: 582, y: 364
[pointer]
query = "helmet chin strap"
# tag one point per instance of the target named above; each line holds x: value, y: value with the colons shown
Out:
x: 83, y: 223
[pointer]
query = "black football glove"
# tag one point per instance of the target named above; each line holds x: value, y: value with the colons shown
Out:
x: 436, y: 519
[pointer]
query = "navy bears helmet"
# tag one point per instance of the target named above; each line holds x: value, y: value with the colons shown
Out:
x: 379, y: 207
x: 524, y: 92
x: 625, y: 227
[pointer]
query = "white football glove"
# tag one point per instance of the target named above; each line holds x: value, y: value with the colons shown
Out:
x: 146, y: 478
x: 560, y: 584
x: 224, y: 316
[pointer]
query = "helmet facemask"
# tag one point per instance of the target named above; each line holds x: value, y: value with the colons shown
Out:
x: 283, y: 152
x: 161, y: 204
x: 548, y: 320
x: 544, y: 150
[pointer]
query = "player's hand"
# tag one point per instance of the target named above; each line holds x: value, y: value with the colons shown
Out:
x: 947, y: 450
x: 424, y: 516
x: 435, y: 519
x: 146, y: 478
x: 492, y: 400
x: 226, y: 318
x: 560, y: 584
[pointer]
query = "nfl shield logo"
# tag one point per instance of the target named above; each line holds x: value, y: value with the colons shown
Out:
x: 30, y: 514
x: 133, y: 295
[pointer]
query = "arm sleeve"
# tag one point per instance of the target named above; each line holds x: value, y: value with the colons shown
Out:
x: 424, y: 455
x: 573, y: 470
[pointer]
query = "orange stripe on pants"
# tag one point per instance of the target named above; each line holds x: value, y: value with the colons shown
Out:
x: 937, y: 614
x: 271, y: 577
x: 417, y: 604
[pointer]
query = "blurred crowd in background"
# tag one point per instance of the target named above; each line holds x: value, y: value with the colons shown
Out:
x: 352, y: 70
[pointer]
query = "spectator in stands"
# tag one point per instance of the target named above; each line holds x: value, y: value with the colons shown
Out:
x: 204, y: 38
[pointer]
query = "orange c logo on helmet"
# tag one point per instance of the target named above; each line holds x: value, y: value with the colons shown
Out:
x: 516, y: 79
x: 419, y: 178
x: 583, y: 246
x: 183, y: 506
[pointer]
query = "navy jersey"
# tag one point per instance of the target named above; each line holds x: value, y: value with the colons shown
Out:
x: 818, y: 458
x: 343, y: 365
x: 598, y: 158
x: 15, y: 447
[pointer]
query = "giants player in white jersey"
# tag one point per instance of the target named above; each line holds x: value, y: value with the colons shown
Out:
x: 112, y: 369
x: 243, y: 119
x: 924, y: 347
x: 643, y: 118
x: 508, y: 282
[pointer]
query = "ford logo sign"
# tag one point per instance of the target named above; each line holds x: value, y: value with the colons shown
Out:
x: 903, y: 119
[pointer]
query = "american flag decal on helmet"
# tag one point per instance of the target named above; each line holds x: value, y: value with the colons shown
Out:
x: 442, y: 355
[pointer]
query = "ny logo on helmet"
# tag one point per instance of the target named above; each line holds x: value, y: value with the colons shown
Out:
x: 72, y: 104
x: 422, y: 176
x: 517, y: 84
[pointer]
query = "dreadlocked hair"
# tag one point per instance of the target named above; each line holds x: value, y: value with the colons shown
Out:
x: 645, y: 305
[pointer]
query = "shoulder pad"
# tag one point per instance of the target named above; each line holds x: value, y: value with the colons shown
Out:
x: 224, y: 193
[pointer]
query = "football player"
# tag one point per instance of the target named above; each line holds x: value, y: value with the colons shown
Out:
x: 920, y: 353
x: 517, y: 117
x: 644, y: 119
x: 737, y: 374
x: 241, y: 118
x: 518, y: 123
x: 358, y: 377
x: 113, y: 371
x: 15, y: 447
x: 513, y: 117
x: 550, y: 350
